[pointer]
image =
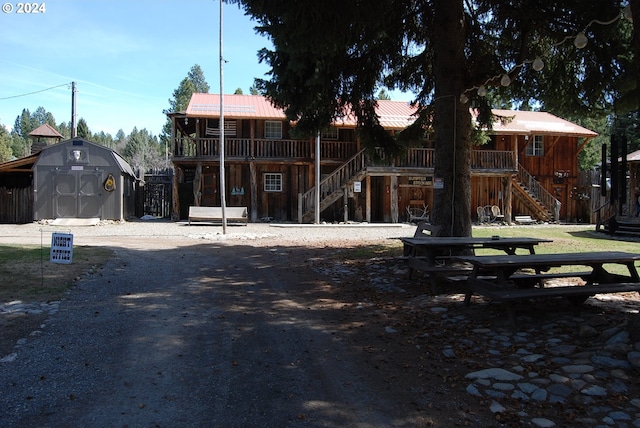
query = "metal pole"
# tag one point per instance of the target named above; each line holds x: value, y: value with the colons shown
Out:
x: 317, y: 203
x: 73, y: 110
x: 221, y: 126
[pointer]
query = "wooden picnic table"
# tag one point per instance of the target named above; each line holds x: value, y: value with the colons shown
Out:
x: 430, y: 254
x: 511, y: 278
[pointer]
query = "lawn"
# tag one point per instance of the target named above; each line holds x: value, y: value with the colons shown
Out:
x: 28, y: 275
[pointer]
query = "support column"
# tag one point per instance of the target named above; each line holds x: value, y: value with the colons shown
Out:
x: 394, y: 199
x: 367, y: 186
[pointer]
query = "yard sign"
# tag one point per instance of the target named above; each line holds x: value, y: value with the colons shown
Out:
x: 61, y: 248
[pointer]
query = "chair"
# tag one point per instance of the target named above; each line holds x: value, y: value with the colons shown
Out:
x: 418, y: 214
x: 495, y: 213
x: 482, y: 215
x: 424, y: 227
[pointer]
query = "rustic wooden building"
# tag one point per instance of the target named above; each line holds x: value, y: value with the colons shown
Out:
x: 528, y: 167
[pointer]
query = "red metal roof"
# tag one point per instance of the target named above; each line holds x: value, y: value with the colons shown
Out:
x: 394, y: 115
x: 537, y: 122
x: 235, y: 107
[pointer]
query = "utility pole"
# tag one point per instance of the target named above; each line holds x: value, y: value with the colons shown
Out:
x: 74, y: 126
x: 221, y: 126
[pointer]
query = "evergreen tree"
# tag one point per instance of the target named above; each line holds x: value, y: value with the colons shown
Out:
x: 383, y: 95
x: 6, y: 153
x: 331, y: 56
x: 83, y: 130
x: 238, y: 91
x: 194, y: 82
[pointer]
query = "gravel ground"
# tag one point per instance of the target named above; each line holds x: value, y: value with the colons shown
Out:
x: 275, y: 326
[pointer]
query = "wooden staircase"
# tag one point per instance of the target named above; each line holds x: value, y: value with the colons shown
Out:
x: 608, y: 222
x: 332, y: 187
x: 542, y: 205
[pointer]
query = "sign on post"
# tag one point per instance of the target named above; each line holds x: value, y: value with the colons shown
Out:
x: 61, y: 248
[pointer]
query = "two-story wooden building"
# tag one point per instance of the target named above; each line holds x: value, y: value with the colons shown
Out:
x: 529, y: 166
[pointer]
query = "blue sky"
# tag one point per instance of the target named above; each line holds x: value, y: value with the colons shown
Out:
x: 126, y: 57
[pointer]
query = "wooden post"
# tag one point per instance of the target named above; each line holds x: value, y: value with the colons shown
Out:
x: 367, y: 184
x: 346, y: 204
x: 253, y: 185
x: 175, y: 209
x: 394, y: 199
x: 507, y: 197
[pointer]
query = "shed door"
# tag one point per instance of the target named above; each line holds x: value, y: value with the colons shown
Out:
x: 77, y: 194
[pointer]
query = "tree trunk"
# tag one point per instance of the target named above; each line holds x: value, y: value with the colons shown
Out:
x: 635, y: 13
x: 452, y: 123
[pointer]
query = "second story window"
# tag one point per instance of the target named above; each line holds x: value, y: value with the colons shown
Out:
x: 213, y: 127
x: 273, y: 129
x: 330, y: 133
x: 535, y: 146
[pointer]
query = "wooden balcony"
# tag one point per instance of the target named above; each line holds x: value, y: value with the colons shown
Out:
x: 208, y: 149
x: 261, y: 149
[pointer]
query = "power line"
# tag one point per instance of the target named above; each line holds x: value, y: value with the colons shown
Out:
x: 36, y: 92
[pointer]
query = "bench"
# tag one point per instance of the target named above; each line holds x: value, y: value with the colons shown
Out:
x: 524, y: 219
x: 234, y: 214
x: 576, y: 294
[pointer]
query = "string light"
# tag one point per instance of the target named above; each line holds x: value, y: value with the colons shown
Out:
x: 580, y: 41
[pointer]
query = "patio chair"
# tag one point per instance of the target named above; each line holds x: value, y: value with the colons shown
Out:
x: 482, y: 215
x: 495, y: 214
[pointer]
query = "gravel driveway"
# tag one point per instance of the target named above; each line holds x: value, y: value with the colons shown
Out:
x: 189, y: 327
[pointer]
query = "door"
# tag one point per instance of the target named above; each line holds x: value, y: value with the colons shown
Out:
x: 77, y: 194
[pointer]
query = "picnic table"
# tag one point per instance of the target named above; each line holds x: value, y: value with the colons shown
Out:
x: 431, y: 254
x: 510, y: 278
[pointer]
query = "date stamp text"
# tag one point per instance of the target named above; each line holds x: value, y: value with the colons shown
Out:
x: 24, y: 8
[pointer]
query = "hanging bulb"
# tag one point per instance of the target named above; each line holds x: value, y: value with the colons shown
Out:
x: 580, y: 40
x: 538, y: 64
x: 482, y: 91
x: 626, y: 12
x: 506, y: 80
x: 463, y: 98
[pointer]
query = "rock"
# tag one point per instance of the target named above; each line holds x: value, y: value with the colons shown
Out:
x: 586, y: 332
x: 578, y: 368
x: 611, y: 363
x: 496, y: 407
x: 620, y: 337
x: 595, y: 391
x: 543, y: 422
x: 494, y: 373
x: 634, y: 358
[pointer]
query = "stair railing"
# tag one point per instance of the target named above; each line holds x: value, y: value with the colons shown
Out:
x: 331, y: 183
x: 541, y: 194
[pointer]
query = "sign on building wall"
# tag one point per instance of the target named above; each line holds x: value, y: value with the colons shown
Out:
x: 61, y: 248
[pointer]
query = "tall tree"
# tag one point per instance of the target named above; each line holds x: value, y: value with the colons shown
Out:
x: 331, y: 56
x: 83, y: 130
x: 194, y: 82
x: 6, y: 153
x: 142, y: 150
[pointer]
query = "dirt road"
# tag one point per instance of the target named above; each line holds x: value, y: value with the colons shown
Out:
x: 200, y: 333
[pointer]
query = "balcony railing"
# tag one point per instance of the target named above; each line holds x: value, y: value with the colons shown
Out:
x: 242, y: 148
x: 263, y: 149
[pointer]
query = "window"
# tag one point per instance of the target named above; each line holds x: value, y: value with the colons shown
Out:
x: 213, y: 127
x: 331, y: 133
x: 273, y: 182
x: 272, y: 129
x: 535, y: 146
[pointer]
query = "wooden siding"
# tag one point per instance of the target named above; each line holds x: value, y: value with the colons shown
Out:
x: 16, y: 205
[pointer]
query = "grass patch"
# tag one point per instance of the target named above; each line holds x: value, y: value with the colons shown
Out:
x: 27, y: 275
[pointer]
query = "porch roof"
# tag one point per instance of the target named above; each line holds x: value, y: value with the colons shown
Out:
x: 537, y: 122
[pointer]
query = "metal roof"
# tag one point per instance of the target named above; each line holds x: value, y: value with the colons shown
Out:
x: 537, y: 122
x: 393, y: 115
x: 235, y: 106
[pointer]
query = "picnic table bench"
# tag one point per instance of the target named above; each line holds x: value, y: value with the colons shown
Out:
x: 431, y: 254
x: 513, y: 278
x: 214, y: 214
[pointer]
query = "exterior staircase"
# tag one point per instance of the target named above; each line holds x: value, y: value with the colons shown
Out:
x: 332, y: 187
x: 542, y: 205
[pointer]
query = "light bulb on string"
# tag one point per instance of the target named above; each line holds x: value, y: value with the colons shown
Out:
x: 538, y: 64
x: 482, y: 91
x: 581, y: 40
x: 626, y: 13
x: 506, y: 80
